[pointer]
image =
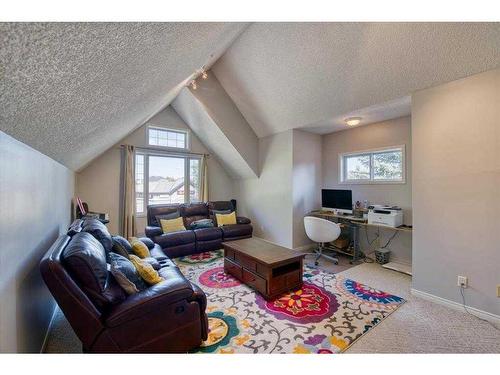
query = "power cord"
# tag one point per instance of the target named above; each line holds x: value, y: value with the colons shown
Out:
x: 474, y: 315
x: 390, y: 239
x: 367, y: 259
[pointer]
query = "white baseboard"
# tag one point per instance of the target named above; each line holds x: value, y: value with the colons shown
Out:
x: 456, y: 306
x: 305, y: 248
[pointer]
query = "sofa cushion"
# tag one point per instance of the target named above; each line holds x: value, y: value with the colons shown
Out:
x: 203, y: 223
x: 225, y: 219
x: 175, y: 238
x: 236, y: 230
x: 85, y: 259
x: 208, y: 234
x: 220, y: 206
x: 162, y: 209
x: 193, y: 212
x: 126, y: 274
x: 139, y: 248
x: 146, y: 270
x: 100, y: 232
x: 172, y: 225
x: 157, y: 253
x: 170, y: 216
x: 121, y: 246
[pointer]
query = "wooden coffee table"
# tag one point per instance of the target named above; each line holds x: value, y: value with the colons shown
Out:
x: 270, y: 269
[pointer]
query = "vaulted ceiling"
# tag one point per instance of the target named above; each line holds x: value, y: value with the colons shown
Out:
x: 309, y: 75
x: 72, y: 90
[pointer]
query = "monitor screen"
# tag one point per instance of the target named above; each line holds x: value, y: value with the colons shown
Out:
x: 339, y: 199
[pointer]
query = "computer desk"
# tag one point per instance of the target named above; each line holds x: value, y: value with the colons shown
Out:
x: 354, y: 223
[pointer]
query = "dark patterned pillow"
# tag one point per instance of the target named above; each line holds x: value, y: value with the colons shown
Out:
x: 121, y: 246
x: 203, y: 223
x: 126, y: 274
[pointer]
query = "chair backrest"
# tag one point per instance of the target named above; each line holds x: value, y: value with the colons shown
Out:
x: 321, y: 230
x: 81, y: 313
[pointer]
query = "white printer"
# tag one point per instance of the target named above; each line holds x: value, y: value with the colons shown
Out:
x: 391, y: 216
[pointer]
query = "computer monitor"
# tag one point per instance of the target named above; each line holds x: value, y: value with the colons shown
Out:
x: 340, y: 200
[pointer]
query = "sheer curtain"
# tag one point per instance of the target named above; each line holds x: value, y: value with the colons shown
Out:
x: 204, y: 179
x: 127, y: 214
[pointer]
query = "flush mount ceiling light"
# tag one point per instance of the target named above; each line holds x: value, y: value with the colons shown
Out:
x: 353, y: 121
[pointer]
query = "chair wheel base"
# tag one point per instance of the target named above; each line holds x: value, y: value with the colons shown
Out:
x: 316, y: 263
x: 336, y: 262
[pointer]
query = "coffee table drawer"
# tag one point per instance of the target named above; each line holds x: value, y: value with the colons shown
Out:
x: 245, y: 262
x: 254, y: 281
x: 233, y: 269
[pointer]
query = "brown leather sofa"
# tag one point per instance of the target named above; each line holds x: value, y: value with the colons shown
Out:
x: 168, y: 317
x: 195, y: 241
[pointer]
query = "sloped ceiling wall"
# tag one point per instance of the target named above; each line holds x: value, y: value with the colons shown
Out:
x: 215, y: 119
x: 72, y: 90
x: 295, y: 75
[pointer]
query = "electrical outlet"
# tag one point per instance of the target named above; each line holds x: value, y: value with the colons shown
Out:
x: 462, y: 281
x: 498, y: 290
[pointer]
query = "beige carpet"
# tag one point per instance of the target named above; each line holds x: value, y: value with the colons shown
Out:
x: 418, y: 326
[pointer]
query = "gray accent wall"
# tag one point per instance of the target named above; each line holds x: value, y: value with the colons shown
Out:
x: 35, y: 207
x: 456, y: 180
x: 383, y: 134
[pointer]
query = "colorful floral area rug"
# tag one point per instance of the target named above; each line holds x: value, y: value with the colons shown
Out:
x: 326, y: 315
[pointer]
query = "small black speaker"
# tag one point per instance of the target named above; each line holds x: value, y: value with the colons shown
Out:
x: 233, y: 202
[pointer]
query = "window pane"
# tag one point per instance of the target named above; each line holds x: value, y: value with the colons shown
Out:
x: 139, y: 183
x: 166, y: 180
x: 194, y: 179
x: 167, y: 138
x: 357, y: 167
x: 388, y: 165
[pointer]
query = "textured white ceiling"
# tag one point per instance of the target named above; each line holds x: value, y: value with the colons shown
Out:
x: 294, y: 75
x: 73, y: 90
x: 376, y: 113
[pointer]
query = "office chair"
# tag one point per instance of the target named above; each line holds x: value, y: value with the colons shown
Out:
x: 321, y: 231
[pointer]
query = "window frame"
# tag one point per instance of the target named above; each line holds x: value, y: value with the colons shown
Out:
x: 187, y: 175
x: 177, y: 149
x: 371, y: 152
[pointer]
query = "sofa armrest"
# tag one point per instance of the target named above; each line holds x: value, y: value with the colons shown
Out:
x: 243, y: 220
x: 154, y: 298
x: 152, y: 232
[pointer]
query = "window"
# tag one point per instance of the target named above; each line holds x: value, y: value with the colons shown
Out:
x: 162, y: 178
x: 162, y: 137
x: 385, y: 165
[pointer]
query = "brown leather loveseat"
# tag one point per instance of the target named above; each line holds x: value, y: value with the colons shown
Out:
x: 168, y: 317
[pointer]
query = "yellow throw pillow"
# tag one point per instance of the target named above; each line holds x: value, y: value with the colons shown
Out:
x: 172, y: 225
x: 146, y: 270
x: 225, y: 219
x: 139, y: 248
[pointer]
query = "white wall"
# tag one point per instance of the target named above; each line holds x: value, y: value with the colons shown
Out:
x: 98, y: 184
x: 456, y: 180
x: 306, y: 181
x: 35, y: 207
x: 267, y: 200
x: 383, y: 134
